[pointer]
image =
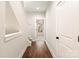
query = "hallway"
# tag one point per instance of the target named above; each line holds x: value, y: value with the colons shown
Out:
x: 39, y: 29
x: 38, y: 49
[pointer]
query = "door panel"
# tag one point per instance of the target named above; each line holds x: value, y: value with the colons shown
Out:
x: 67, y: 24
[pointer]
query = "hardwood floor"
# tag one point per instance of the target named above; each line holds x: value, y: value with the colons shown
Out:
x: 38, y: 49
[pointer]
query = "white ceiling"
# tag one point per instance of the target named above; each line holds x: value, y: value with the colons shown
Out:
x: 36, y: 6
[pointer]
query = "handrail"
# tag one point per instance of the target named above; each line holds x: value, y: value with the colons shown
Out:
x: 12, y: 36
x: 9, y: 35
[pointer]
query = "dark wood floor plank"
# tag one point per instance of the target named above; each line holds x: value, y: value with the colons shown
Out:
x: 38, y: 49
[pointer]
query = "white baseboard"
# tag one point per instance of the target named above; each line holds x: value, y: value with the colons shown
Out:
x: 21, y: 54
x: 50, y: 49
x: 24, y: 49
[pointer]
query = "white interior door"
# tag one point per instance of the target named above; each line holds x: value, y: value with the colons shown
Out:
x: 67, y: 21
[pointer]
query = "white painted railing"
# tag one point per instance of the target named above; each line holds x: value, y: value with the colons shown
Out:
x: 12, y: 36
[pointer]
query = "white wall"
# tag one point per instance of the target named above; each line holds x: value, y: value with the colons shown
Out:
x: 50, y: 26
x: 11, y: 22
x: 14, y: 47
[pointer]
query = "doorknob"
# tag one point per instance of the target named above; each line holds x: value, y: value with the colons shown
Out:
x: 78, y: 38
x: 57, y: 37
